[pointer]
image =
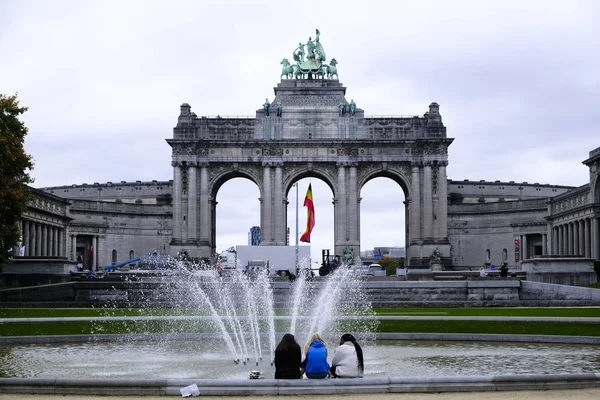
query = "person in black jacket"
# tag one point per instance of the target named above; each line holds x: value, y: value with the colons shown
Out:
x: 288, y: 358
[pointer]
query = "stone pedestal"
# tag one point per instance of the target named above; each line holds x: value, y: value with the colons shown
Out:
x: 573, y: 271
x: 32, y: 271
x: 436, y: 266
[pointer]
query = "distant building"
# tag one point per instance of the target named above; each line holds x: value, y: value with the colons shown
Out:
x: 254, y: 236
x: 380, y: 252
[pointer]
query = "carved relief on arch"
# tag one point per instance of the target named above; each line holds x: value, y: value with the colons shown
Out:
x: 293, y: 172
x: 218, y: 175
x: 400, y: 171
x: 429, y: 148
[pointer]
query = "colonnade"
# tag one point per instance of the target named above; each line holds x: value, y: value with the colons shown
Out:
x: 42, y: 240
x: 428, y: 202
x: 580, y: 237
x: 95, y: 247
x: 527, y: 241
x: 194, y: 210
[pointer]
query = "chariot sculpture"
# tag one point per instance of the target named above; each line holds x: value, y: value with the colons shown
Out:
x: 313, y: 66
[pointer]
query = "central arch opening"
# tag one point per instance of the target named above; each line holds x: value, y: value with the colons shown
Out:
x: 383, y: 228
x: 237, y: 212
x: 322, y: 234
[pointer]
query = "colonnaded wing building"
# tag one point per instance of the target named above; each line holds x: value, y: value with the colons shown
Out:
x: 310, y: 129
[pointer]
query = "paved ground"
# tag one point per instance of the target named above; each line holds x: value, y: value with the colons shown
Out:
x: 576, y: 394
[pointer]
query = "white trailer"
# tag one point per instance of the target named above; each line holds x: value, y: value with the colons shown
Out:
x: 279, y: 258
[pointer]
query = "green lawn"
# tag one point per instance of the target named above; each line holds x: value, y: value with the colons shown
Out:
x: 496, y: 312
x: 191, y: 326
x: 491, y: 312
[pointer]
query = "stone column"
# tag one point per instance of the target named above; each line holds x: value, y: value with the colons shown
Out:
x: 97, y: 253
x: 38, y: 239
x: 212, y: 204
x: 415, y: 207
x: 177, y: 217
x: 44, y: 240
x: 341, y: 211
x: 266, y: 233
x: 26, y: 239
x: 559, y: 239
x: 545, y: 244
x: 555, y: 240
x: 595, y: 239
x: 581, y: 238
x: 587, y: 233
x: 353, y: 211
x: 74, y: 247
x: 573, y: 229
x: 204, y: 207
x: 93, y: 260
x: 569, y: 238
x: 427, y: 202
x: 192, y: 211
x: 524, y: 253
x: 279, y: 219
x: 54, y: 242
x: 442, y: 213
x: 61, y: 243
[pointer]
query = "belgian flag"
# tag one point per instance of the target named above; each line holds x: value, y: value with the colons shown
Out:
x: 310, y: 215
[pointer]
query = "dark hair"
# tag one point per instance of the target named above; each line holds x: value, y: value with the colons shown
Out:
x: 359, y: 353
x: 288, y: 342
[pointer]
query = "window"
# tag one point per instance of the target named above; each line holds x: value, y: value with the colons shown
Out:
x: 504, y: 255
x: 488, y: 257
x: 131, y: 254
x: 114, y: 257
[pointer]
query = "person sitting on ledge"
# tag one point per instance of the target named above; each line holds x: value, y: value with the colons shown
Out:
x: 347, y: 360
x: 315, y: 361
x: 288, y: 357
x: 482, y: 273
x: 504, y: 270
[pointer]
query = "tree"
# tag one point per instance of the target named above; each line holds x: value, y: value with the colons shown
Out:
x: 14, y: 179
x: 390, y: 264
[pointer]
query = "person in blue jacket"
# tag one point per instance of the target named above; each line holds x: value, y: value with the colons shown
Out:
x: 315, y: 363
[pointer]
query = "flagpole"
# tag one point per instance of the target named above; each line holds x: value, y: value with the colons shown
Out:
x: 296, y: 184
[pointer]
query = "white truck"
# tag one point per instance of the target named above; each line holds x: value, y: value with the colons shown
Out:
x: 276, y: 258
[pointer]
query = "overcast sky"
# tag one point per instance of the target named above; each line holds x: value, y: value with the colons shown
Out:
x: 518, y: 83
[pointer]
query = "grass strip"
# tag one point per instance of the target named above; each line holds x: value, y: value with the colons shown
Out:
x: 496, y: 312
x: 148, y: 327
x: 488, y: 311
x: 492, y: 327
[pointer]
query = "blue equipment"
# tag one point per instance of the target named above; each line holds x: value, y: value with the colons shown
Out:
x: 109, y: 268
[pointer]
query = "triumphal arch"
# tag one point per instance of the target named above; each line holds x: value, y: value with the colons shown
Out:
x: 310, y: 129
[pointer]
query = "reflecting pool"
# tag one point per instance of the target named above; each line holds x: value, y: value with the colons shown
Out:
x: 204, y: 359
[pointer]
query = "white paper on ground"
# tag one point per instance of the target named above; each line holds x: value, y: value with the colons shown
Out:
x: 191, y: 390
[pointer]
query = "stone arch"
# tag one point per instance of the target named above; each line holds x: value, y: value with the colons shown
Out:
x: 223, y: 176
x: 216, y: 180
x: 300, y: 172
x: 395, y: 174
x: 311, y: 139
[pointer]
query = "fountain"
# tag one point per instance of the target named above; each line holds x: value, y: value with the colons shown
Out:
x: 223, y: 327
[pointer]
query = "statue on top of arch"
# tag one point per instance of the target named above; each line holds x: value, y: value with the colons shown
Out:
x: 313, y: 66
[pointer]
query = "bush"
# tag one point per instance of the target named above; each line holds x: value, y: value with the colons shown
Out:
x: 390, y: 264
